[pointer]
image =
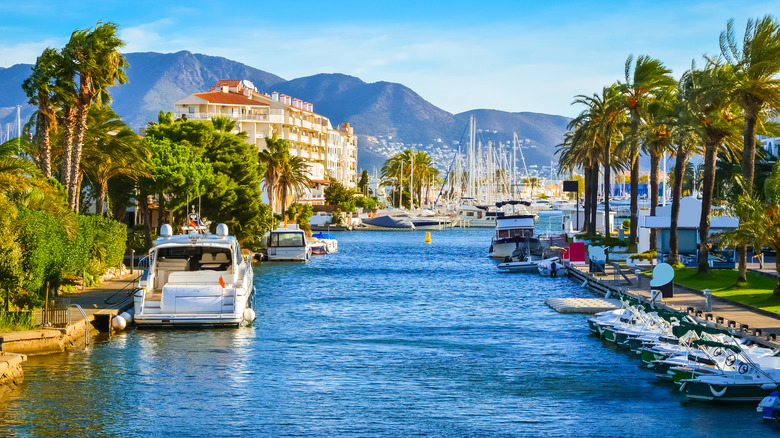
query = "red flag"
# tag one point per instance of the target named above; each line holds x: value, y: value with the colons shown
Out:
x: 221, y: 282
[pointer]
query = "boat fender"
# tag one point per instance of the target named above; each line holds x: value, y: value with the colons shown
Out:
x: 249, y: 315
x: 128, y: 316
x: 682, y: 387
x: 744, y: 368
x: 718, y: 393
x: 769, y: 386
x: 118, y: 323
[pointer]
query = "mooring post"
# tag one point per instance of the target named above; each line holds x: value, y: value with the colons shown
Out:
x: 707, y: 300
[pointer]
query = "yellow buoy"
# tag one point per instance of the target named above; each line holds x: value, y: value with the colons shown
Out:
x: 427, y: 237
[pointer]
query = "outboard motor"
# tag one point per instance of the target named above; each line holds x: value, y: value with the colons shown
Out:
x: 770, y: 407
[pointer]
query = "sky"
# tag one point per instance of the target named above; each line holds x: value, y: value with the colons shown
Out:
x: 507, y: 55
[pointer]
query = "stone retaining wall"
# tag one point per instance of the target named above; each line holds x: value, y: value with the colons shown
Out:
x: 11, y: 374
x: 45, y: 341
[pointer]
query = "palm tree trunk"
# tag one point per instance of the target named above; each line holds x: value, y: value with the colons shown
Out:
x: 708, y: 186
x: 594, y: 194
x: 146, y: 216
x: 160, y: 211
x: 606, y: 187
x: 75, y: 161
x: 655, y: 162
x: 67, y: 144
x: 634, y: 194
x: 100, y: 197
x: 43, y: 132
x: 748, y: 172
x: 586, y: 198
x: 679, y: 170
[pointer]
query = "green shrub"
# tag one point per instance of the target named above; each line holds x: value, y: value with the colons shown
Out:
x: 647, y: 255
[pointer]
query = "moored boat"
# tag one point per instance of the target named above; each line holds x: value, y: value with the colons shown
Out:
x: 288, y: 244
x: 195, y: 279
x: 513, y: 233
x: 388, y: 223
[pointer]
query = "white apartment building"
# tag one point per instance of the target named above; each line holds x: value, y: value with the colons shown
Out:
x: 330, y: 153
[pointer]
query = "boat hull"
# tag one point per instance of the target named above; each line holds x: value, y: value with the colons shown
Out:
x: 701, y: 390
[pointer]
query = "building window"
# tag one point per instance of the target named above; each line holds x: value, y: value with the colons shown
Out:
x: 192, y: 110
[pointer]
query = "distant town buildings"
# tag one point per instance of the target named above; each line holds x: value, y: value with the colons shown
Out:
x: 330, y: 152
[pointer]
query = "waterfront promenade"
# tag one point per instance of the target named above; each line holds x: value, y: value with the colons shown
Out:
x: 752, y: 323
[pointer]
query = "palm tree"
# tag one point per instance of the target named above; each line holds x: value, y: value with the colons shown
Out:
x: 581, y: 149
x: 39, y: 88
x: 715, y: 122
x: 681, y: 120
x: 223, y: 124
x: 655, y: 138
x: 98, y: 65
x: 759, y: 223
x: 756, y: 67
x: 424, y: 172
x: 273, y: 158
x: 292, y: 178
x: 111, y: 149
x: 644, y: 80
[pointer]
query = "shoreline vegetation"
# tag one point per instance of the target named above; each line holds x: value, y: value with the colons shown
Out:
x: 715, y: 111
x: 67, y: 181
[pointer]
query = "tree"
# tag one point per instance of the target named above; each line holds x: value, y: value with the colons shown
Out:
x: 363, y: 183
x: 643, y: 81
x: 756, y: 87
x: 759, y: 220
x: 98, y: 65
x: 713, y: 120
x: 111, y: 149
x: 292, y: 179
x: 273, y: 157
x: 655, y: 138
x: 338, y: 194
x: 178, y: 172
x: 39, y: 87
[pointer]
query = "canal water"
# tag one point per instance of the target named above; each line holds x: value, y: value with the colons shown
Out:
x: 388, y: 337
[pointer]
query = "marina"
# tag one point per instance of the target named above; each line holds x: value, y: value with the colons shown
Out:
x: 365, y: 342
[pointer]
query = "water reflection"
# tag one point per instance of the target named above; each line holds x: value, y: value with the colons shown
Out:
x: 389, y: 336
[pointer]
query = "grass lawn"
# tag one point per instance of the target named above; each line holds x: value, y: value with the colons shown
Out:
x: 757, y: 292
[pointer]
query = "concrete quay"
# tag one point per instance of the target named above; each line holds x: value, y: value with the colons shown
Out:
x: 99, y: 305
x: 748, y: 322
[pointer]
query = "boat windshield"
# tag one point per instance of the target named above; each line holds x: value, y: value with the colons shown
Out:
x: 286, y: 239
x: 514, y: 232
x: 194, y: 258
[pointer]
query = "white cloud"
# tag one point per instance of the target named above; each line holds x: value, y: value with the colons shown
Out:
x: 25, y: 53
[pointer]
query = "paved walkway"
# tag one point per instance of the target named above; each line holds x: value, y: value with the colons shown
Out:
x: 111, y: 297
x: 684, y: 298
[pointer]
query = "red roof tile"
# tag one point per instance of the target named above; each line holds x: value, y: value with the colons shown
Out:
x: 228, y: 98
x: 229, y: 83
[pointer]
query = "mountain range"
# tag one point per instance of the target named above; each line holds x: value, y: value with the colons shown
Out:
x: 386, y: 116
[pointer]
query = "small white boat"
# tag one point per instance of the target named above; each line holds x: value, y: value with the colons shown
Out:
x: 288, y: 244
x: 330, y: 242
x: 195, y: 279
x: 525, y: 266
x: 551, y: 267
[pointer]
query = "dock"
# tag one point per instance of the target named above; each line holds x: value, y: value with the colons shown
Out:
x: 747, y: 322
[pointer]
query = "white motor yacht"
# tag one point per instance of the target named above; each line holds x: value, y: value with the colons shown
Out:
x: 195, y: 279
x: 513, y: 234
x: 288, y: 244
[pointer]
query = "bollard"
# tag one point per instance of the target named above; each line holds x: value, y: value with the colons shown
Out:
x: 638, y: 274
x: 758, y: 332
x: 132, y: 260
x: 707, y: 300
